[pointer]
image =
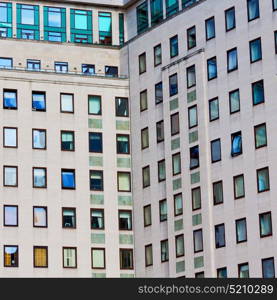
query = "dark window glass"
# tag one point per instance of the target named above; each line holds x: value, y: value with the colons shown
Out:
x: 255, y: 48
x: 160, y: 131
x: 174, y: 124
x: 232, y: 60
x: 191, y: 76
x: 122, y: 144
x: 88, y: 69
x: 260, y: 136
x: 97, y: 219
x: 196, y: 198
x: 111, y: 71
x: 236, y: 144
x: 258, y: 92
x: 121, y: 107
x: 222, y: 273
x: 253, y: 9
x: 218, y: 192
x: 126, y: 259
x: 69, y: 217
x: 159, y: 92
x: 234, y: 101
x: 39, y: 101
x: 191, y: 37
x: 215, y: 150
x: 214, y: 109
x: 194, y: 157
x: 163, y: 210
x: 174, y: 48
x: 210, y: 28
x: 125, y: 219
x: 95, y: 142
x: 243, y: 270
x: 268, y: 268
x: 10, y: 99
x: 241, y: 230
x: 220, y: 236
x: 142, y: 63
x: 230, y: 19
x: 156, y: 11
x: 67, y: 141
x: 157, y: 55
x: 265, y: 224
x: 96, y: 180
x: 142, y: 17
x: 198, y: 240
x: 173, y: 85
x: 212, y: 68
x: 263, y: 180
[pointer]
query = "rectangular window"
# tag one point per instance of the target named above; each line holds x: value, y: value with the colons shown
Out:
x: 39, y: 139
x: 143, y: 100
x: 147, y: 215
x: 265, y: 224
x: 156, y: 11
x: 40, y: 257
x: 210, y: 28
x: 125, y: 219
x: 54, y: 24
x: 174, y: 48
x: 232, y: 60
x: 220, y: 236
x: 6, y: 63
x: 215, y: 151
x: 213, y: 109
x: 198, y: 240
x: 122, y: 144
x: 144, y: 138
x: 97, y: 219
x: 6, y: 20
x: 69, y: 257
x: 253, y: 9
x: 192, y: 116
x: 172, y: 7
x: 178, y: 205
x: 236, y: 144
x: 61, y: 67
x: 95, y: 142
x: 255, y: 48
x: 274, y: 5
x: 196, y: 198
x: 142, y: 63
x: 187, y: 3
x: 234, y: 101
x: 230, y: 19
x: 164, y: 251
x: 94, y: 105
x: 159, y: 92
x: 176, y: 164
x: 179, y: 245
x: 194, y: 157
x: 81, y: 26
x: 146, y: 177
x: 39, y: 216
x: 67, y: 103
x: 10, y: 256
x: 98, y: 260
x: 111, y: 71
x: 9, y: 99
x: 173, y: 85
x: 88, y: 69
x: 174, y: 120
x: 161, y: 170
x: 222, y: 272
x: 68, y: 217
x: 126, y: 259
x: 121, y: 107
x: 11, y: 215
x: 239, y: 191
x: 121, y: 29
x: 212, y: 68
x: 163, y: 210
x: 243, y: 270
x: 96, y: 180
x: 67, y: 141
x: 10, y: 176
x: 260, y: 136
x: 160, y: 131
x: 191, y: 37
x: 105, y: 28
x: 191, y: 76
x: 258, y: 92
x: 124, y: 181
x: 39, y: 101
x: 39, y: 178
x: 68, y: 179
x: 241, y: 230
x: 148, y: 255
x: 33, y: 65
x: 218, y: 192
x: 142, y: 17
x: 268, y: 267
x: 10, y: 137
x: 28, y: 21
x: 157, y: 55
x: 263, y: 180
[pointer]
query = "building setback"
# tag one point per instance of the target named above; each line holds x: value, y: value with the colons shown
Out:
x: 138, y: 138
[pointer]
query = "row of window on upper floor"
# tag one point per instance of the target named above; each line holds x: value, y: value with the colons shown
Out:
x: 69, y: 257
x: 172, y: 7
x: 59, y: 67
x: 28, y: 24
x: 268, y: 268
x: 38, y: 99
x: 68, y: 179
x: 255, y: 54
x: 69, y: 218
x: 67, y: 140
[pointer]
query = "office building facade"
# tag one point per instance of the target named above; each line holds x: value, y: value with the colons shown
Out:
x: 138, y: 138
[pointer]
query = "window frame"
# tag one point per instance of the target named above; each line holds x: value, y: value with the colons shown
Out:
x: 265, y: 259
x: 236, y: 222
x: 208, y: 71
x: 260, y: 227
x: 144, y: 92
x: 255, y: 137
x: 46, y: 221
x: 230, y: 106
x: 154, y: 51
x: 202, y: 240
x: 176, y: 238
x: 267, y: 189
x: 16, y: 168
x: 248, y: 17
x: 34, y: 257
x: 120, y: 258
x: 4, y: 218
x: 91, y: 171
x: 224, y: 244
x: 252, y: 61
x: 45, y: 102
x: 116, y: 111
x: 129, y: 211
x: 73, y: 140
x: 225, y: 13
x: 192, y: 205
x: 130, y: 181
x: 63, y: 111
x: 229, y: 70
x: 188, y: 34
x: 174, y: 198
x: 40, y: 130
x: 104, y: 251
x: 117, y: 150
x: 172, y: 55
x: 159, y: 162
x: 234, y: 186
x: 206, y: 32
x: 16, y: 98
x: 167, y: 258
x: 16, y: 137
x: 160, y: 204
x: 189, y: 119
x: 171, y: 122
x: 210, y: 101
x: 103, y: 213
x: 99, y: 134
x: 33, y: 177
x: 144, y: 186
x: 74, y: 177
x: 100, y: 112
x: 76, y: 262
x: 180, y: 161
x: 4, y: 261
x: 214, y: 184
x: 75, y: 217
x: 142, y: 56
x: 252, y: 86
x: 149, y: 246
x: 211, y: 145
x: 144, y: 209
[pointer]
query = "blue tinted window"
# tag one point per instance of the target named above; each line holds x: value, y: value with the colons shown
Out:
x: 95, y: 142
x: 232, y: 60
x: 253, y: 9
x: 68, y: 179
x: 258, y: 92
x: 255, y: 50
x: 212, y: 68
x: 174, y: 51
x: 210, y: 28
x: 10, y: 99
x: 230, y: 19
x: 6, y: 62
x: 173, y: 85
x: 236, y: 144
x: 39, y: 101
x: 96, y: 180
x: 268, y: 268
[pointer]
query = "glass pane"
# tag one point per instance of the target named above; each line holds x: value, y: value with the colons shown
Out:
x: 40, y: 255
x: 39, y: 101
x: 146, y: 176
x: 147, y: 215
x: 156, y: 11
x: 122, y: 107
x: 10, y: 256
x: 160, y: 131
x: 10, y: 99
x: 210, y: 28
x: 95, y: 142
x: 191, y: 76
x: 159, y: 92
x: 39, y: 178
x: 164, y: 251
x: 268, y: 268
x: 244, y: 271
x: 253, y: 9
x: 263, y: 180
x: 10, y: 216
x: 124, y: 182
x: 40, y: 217
x: 212, y: 68
x: 10, y: 137
x: 241, y: 230
x: 69, y: 257
x: 176, y: 164
x: 173, y: 85
x: 194, y: 157
x: 158, y: 55
x: 198, y: 240
x: 214, y: 109
x: 28, y: 14
x: 230, y: 19
x: 232, y: 60
x: 81, y: 19
x: 144, y: 138
x: 174, y: 124
x: 96, y: 180
x: 10, y: 174
x: 256, y: 50
x: 163, y: 211
x: 218, y: 192
x: 191, y: 36
x: 239, y: 186
x: 68, y: 179
x: 143, y: 100
x: 216, y: 150
x: 161, y: 170
x: 174, y: 50
x: 265, y: 224
x: 196, y: 198
x: 178, y: 199
x: 142, y: 17
x: 260, y: 136
x: 67, y: 103
x: 54, y: 17
x: 180, y: 247
x: 105, y: 28
x: 39, y: 139
x: 234, y: 100
x: 258, y: 92
x: 94, y: 105
x: 236, y: 144
x: 219, y: 236
x: 125, y: 220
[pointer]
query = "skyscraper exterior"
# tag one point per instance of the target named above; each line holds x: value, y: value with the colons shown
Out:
x: 138, y: 138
